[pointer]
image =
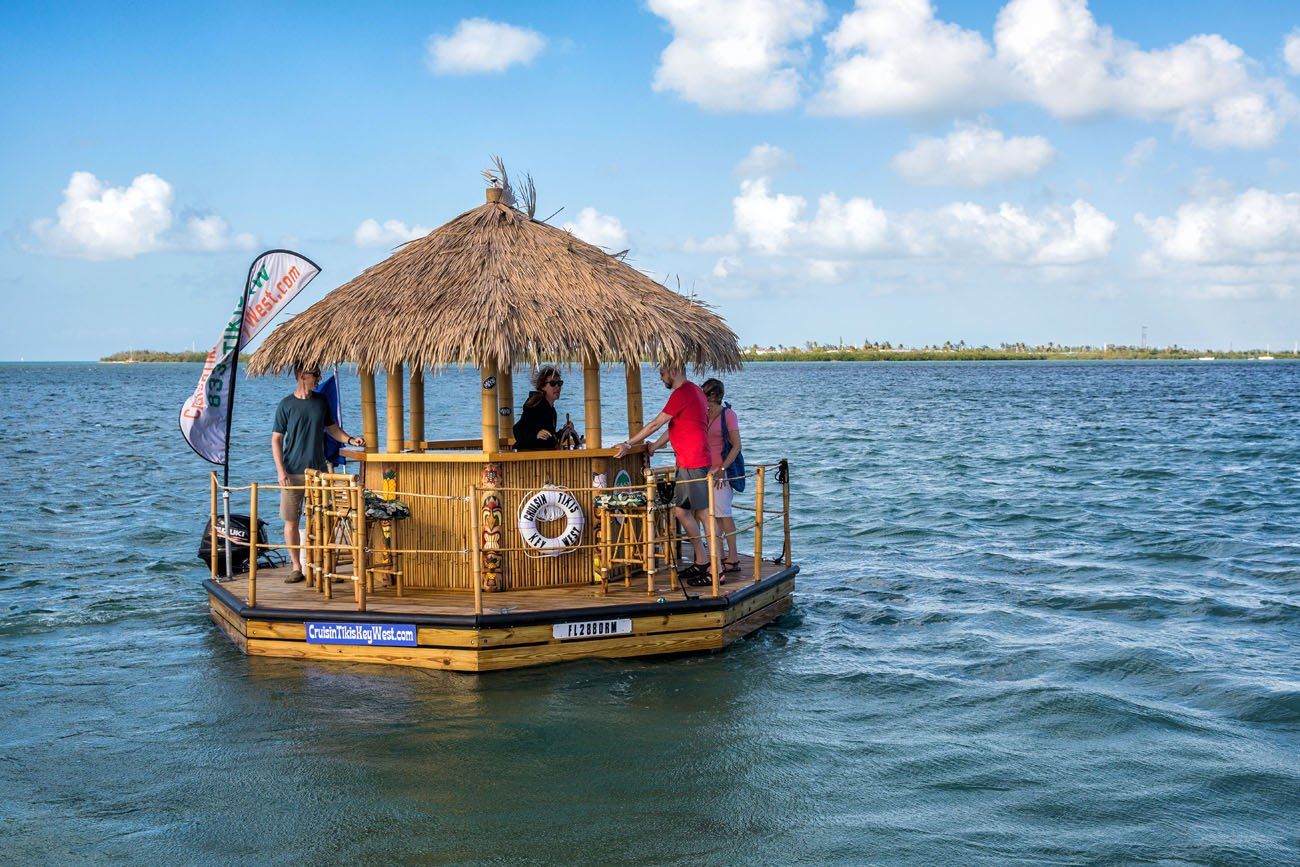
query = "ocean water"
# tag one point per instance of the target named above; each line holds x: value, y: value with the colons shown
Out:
x: 1048, y: 613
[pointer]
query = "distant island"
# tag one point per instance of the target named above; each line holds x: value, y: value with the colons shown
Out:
x: 140, y: 356
x: 813, y: 351
x: 870, y: 351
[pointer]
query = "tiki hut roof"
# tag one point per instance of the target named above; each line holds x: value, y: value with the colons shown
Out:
x: 494, y: 285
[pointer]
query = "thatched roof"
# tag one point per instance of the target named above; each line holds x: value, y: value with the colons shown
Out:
x: 494, y: 285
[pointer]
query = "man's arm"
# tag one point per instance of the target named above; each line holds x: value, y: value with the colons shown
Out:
x: 277, y: 452
x: 655, y: 446
x: 339, y: 435
x: 655, y: 423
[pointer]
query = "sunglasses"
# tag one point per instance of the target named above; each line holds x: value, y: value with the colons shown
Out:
x: 712, y: 393
x: 315, y: 373
x: 555, y: 382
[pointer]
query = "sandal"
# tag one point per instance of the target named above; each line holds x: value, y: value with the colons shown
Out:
x: 730, y: 566
x: 700, y: 579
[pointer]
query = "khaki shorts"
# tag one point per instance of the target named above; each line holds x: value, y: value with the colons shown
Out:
x: 291, y: 500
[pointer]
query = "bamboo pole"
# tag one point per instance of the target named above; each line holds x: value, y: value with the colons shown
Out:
x: 475, y: 556
x: 252, y: 546
x: 212, y: 526
x: 649, y: 553
x: 369, y: 415
x: 785, y: 508
x: 591, y: 399
x: 505, y: 403
x: 328, y: 560
x: 759, y: 475
x: 396, y: 440
x: 359, y: 543
x: 635, y: 403
x: 488, y: 374
x: 606, y: 552
x: 714, y: 555
x: 417, y: 407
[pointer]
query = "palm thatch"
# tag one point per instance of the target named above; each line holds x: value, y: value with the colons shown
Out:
x: 494, y: 286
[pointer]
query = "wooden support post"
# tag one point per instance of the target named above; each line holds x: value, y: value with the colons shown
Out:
x: 488, y: 395
x: 252, y: 546
x: 212, y: 526
x: 715, y: 567
x: 591, y: 399
x: 606, y: 552
x: 505, y: 404
x: 635, y: 403
x: 785, y: 508
x: 369, y: 414
x: 417, y: 407
x: 396, y: 440
x: 758, y: 523
x: 648, y: 555
x: 475, y: 555
x: 357, y: 494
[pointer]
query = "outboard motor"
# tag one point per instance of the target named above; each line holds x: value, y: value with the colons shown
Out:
x: 240, y: 529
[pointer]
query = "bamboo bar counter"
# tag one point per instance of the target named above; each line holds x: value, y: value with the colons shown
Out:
x: 469, y: 555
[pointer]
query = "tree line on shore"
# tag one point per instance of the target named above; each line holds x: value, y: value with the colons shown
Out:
x: 870, y: 351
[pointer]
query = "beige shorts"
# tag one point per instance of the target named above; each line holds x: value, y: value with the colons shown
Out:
x: 291, y: 499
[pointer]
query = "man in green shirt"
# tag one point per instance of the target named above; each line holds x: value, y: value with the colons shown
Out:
x: 297, y: 446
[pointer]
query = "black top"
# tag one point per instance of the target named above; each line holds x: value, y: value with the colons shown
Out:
x: 538, y: 417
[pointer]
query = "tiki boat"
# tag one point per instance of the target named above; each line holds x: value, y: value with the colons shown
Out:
x: 467, y: 554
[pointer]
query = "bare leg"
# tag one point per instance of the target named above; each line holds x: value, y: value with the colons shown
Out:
x: 691, y: 523
x: 727, y: 530
x: 293, y: 538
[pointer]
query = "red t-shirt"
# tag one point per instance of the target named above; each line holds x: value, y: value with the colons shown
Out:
x: 687, y: 430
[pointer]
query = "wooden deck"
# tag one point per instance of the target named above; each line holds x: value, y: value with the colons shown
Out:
x: 516, y: 628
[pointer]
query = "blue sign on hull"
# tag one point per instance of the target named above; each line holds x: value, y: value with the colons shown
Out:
x: 372, y: 634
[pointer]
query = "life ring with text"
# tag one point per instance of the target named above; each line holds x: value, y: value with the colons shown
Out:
x: 549, y: 504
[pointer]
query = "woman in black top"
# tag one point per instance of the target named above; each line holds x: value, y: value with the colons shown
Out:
x: 536, y: 426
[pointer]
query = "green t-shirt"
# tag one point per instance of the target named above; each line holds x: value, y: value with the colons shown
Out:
x: 303, y: 422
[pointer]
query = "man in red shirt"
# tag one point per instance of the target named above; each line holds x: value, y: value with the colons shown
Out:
x: 686, y: 415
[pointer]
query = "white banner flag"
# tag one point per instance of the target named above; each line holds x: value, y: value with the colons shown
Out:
x: 273, y: 281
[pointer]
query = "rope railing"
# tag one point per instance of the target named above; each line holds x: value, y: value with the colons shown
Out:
x: 338, y: 530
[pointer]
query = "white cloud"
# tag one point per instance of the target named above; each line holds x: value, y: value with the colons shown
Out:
x: 478, y: 45
x: 1291, y: 52
x: 98, y: 222
x: 894, y: 57
x: 211, y: 233
x: 390, y: 233
x: 1140, y: 154
x: 973, y: 155
x: 764, y: 161
x: 1255, y: 227
x: 774, y: 224
x: 599, y: 229
x: 890, y: 57
x: 736, y: 55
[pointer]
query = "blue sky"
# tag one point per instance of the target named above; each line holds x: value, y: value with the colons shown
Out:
x: 892, y: 169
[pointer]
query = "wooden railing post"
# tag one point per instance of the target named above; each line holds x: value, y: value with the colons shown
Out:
x: 606, y: 552
x: 212, y: 525
x: 785, y: 508
x: 252, y: 546
x: 714, y: 555
x: 488, y: 403
x: 359, y: 544
x: 649, y: 554
x: 475, y: 555
x: 759, y: 477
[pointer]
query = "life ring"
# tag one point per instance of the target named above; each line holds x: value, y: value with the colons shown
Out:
x: 548, y: 504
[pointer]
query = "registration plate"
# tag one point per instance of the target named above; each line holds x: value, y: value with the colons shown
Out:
x: 592, y: 628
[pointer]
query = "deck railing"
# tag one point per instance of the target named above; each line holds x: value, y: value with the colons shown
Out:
x: 336, y: 530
